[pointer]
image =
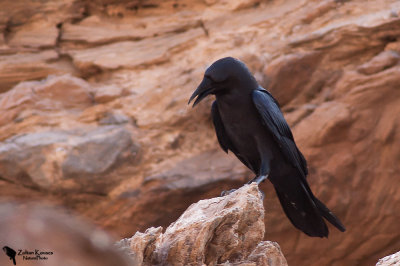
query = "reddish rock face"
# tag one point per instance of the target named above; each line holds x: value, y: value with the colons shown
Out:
x: 114, y: 139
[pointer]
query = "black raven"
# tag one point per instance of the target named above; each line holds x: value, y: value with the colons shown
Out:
x: 249, y: 122
x: 10, y: 253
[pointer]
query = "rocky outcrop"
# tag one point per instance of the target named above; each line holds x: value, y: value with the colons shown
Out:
x: 111, y: 127
x: 390, y: 260
x: 59, y: 160
x: 219, y: 231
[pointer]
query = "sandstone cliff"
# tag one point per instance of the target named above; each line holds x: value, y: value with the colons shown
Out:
x: 93, y: 112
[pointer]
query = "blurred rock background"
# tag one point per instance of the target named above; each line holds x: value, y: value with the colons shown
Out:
x: 94, y: 115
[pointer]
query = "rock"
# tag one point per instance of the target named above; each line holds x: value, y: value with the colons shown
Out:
x: 241, y: 4
x: 19, y: 13
x: 141, y: 246
x: 379, y: 63
x: 291, y: 72
x: 391, y: 260
x: 39, y: 34
x: 331, y: 119
x: 267, y: 253
x: 318, y: 10
x: 132, y: 54
x: 30, y: 66
x: 97, y: 151
x: 214, y: 231
x: 52, y: 94
x: 233, y: 5
x: 101, y: 30
x: 114, y: 118
x: 225, y: 231
x: 34, y: 227
x: 107, y: 93
x: 67, y: 159
x: 62, y: 92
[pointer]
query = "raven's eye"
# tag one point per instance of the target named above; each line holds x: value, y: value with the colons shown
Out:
x: 209, y: 77
x: 214, y: 79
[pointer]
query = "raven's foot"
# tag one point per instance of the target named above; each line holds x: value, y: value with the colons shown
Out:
x: 227, y: 192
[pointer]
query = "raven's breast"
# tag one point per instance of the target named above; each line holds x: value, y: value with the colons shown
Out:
x: 245, y: 130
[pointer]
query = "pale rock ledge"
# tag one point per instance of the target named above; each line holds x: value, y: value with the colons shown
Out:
x: 219, y: 231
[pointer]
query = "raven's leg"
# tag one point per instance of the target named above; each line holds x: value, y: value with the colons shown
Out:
x: 260, y: 179
x: 266, y: 157
x: 257, y: 179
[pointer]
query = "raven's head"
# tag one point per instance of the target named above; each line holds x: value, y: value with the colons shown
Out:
x: 221, y: 77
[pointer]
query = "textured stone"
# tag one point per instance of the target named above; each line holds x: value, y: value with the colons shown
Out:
x: 107, y: 93
x: 41, y: 33
x: 291, y: 72
x: 29, y: 66
x: 239, y: 4
x: 51, y: 94
x: 215, y: 230
x: 391, y: 260
x: 225, y: 231
x: 317, y: 10
x: 267, y: 253
x: 100, y: 30
x: 380, y: 62
x: 132, y: 54
x: 142, y: 245
x: 50, y: 159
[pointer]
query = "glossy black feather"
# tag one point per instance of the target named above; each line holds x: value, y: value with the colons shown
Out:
x: 273, y: 118
x: 223, y: 139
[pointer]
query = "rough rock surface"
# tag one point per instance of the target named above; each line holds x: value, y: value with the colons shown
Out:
x: 122, y: 72
x: 219, y: 231
x: 70, y: 240
x: 67, y: 160
x: 391, y: 260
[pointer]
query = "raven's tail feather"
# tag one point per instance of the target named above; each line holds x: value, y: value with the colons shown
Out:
x: 328, y: 215
x: 303, y: 213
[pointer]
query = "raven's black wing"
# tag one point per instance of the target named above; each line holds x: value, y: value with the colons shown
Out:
x: 223, y: 138
x: 294, y: 190
x: 273, y: 118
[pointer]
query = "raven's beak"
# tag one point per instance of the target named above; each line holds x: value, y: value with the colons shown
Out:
x: 205, y: 88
